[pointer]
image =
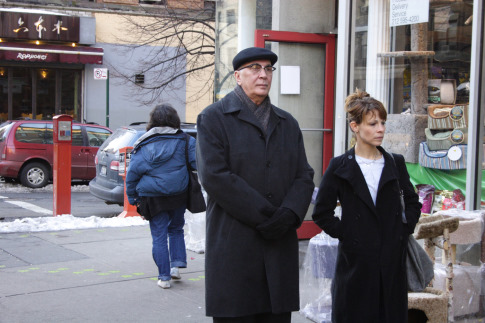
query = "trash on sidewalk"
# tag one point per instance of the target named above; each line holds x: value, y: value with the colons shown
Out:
x: 316, y: 278
x: 195, y: 231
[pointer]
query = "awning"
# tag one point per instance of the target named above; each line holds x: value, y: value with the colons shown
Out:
x: 50, y: 53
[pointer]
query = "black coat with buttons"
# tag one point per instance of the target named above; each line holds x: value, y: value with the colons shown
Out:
x: 247, y: 173
x: 370, y: 278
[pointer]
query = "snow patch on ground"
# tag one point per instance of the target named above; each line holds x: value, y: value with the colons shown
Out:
x: 17, y: 188
x: 67, y: 222
x: 62, y: 222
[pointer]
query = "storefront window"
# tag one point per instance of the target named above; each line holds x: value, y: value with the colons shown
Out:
x: 421, y: 72
x: 385, y: 58
x: 40, y: 93
x: 22, y: 93
x: 70, y: 97
x: 46, y: 93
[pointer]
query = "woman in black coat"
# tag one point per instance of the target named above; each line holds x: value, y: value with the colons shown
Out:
x: 370, y: 276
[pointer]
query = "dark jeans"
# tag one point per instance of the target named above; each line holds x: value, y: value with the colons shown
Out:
x: 257, y: 318
x: 169, y: 223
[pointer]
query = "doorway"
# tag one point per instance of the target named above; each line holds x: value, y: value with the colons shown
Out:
x: 306, y: 90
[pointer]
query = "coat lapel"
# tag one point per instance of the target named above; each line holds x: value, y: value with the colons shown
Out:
x: 388, y: 172
x: 350, y: 171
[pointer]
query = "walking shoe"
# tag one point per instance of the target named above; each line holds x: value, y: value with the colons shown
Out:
x: 174, y: 272
x: 163, y: 283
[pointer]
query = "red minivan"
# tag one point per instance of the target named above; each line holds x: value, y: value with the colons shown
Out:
x: 26, y: 150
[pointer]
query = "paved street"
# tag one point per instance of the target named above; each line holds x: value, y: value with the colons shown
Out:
x: 37, y: 203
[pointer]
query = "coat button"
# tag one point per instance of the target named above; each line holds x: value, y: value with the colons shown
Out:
x: 357, y: 216
x: 350, y: 157
x: 269, y: 195
x: 268, y: 164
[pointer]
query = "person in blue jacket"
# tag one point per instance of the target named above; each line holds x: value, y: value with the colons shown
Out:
x: 157, y: 181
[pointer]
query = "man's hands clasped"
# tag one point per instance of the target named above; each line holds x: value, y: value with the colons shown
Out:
x: 278, y: 224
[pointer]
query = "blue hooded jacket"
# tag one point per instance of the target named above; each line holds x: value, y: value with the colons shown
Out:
x: 157, y: 166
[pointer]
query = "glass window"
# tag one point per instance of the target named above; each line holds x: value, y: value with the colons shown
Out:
x: 41, y: 93
x: 4, y: 129
x: 71, y: 93
x: 441, y: 48
x: 48, y: 134
x: 226, y: 34
x: 96, y: 136
x: 22, y: 93
x: 77, y: 136
x: 33, y: 133
x: 122, y: 137
x: 46, y: 93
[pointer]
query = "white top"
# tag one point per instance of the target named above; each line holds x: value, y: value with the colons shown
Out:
x: 372, y: 171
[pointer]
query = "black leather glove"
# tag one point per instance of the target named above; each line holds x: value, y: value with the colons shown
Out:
x: 269, y: 210
x: 277, y: 225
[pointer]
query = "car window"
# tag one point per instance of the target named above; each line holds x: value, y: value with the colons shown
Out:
x: 4, y: 129
x: 96, y: 136
x: 48, y: 134
x: 122, y: 137
x: 77, y: 136
x: 33, y: 133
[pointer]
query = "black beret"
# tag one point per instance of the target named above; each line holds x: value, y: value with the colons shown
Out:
x: 252, y: 54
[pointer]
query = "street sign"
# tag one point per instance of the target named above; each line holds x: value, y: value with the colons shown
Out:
x: 100, y: 73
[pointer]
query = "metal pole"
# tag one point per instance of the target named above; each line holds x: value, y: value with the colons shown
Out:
x: 107, y: 98
x: 475, y: 114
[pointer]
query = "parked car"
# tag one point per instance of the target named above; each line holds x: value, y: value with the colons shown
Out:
x: 108, y: 185
x: 26, y: 151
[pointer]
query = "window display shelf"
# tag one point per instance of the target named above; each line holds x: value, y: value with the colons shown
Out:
x: 408, y: 54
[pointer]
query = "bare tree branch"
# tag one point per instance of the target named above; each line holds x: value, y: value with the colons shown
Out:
x: 177, y: 45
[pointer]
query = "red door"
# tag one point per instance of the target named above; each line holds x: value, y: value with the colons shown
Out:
x: 312, y: 56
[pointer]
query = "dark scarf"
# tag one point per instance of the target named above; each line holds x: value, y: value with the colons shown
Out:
x: 262, y: 111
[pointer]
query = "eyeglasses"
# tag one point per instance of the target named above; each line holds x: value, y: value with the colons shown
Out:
x: 256, y: 68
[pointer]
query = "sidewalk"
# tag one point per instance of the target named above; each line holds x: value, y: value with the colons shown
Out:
x: 95, y: 275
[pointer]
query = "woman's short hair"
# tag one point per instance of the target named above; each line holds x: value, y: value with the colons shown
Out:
x: 164, y: 115
x: 360, y: 103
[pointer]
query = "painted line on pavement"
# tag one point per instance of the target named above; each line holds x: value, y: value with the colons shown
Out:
x: 30, y: 207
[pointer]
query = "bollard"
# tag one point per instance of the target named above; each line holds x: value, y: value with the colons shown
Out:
x: 62, y: 139
x: 128, y: 209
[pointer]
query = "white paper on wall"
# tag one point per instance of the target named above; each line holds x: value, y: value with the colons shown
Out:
x: 290, y: 79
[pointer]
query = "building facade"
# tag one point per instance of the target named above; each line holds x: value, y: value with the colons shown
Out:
x: 408, y: 54
x: 88, y: 60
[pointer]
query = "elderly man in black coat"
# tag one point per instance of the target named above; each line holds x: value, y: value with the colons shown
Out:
x: 252, y: 163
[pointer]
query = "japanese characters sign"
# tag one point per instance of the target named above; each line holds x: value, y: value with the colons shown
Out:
x: 407, y: 12
x: 35, y: 26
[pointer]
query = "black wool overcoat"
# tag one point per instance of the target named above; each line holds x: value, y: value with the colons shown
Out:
x: 247, y: 173
x: 370, y: 267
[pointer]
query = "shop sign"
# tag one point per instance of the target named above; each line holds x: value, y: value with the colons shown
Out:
x: 408, y: 12
x: 36, y: 26
x: 31, y: 57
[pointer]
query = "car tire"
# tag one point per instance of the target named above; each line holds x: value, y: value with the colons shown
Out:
x: 34, y: 175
